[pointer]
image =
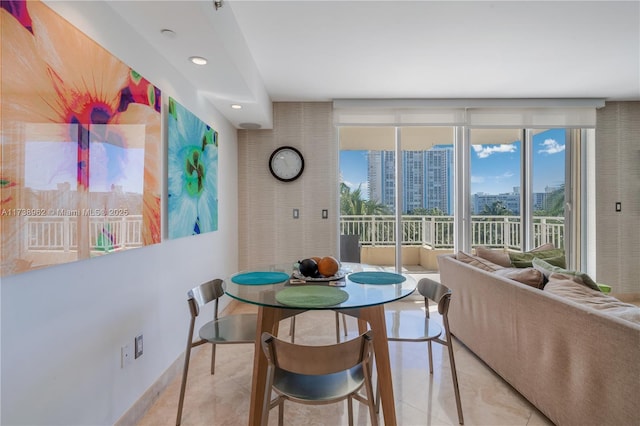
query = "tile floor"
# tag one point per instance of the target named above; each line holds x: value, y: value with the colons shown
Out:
x: 421, y: 399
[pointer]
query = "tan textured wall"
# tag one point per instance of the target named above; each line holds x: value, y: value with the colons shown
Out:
x: 618, y: 179
x: 267, y: 231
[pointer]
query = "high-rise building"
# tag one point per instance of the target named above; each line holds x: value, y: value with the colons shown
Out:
x: 439, y: 179
x: 427, y: 177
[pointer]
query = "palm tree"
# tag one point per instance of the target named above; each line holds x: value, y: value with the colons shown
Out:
x: 555, y: 202
x: 496, y: 209
x: 351, y: 203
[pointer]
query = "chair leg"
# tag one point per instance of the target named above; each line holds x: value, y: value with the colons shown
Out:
x: 213, y: 358
x: 350, y: 409
x: 372, y: 401
x: 344, y: 324
x: 430, y: 357
x: 454, y: 377
x: 183, y: 386
x: 377, y: 398
x: 185, y: 370
x: 281, y: 412
x: 292, y: 329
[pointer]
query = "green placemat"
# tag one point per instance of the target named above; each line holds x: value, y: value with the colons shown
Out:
x: 376, y: 277
x: 260, y: 278
x: 311, y: 296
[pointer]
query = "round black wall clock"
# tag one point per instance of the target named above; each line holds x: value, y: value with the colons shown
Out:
x: 286, y: 163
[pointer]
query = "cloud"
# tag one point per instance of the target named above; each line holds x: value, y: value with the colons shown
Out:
x: 505, y: 175
x: 477, y: 179
x: 483, y: 151
x: 550, y: 146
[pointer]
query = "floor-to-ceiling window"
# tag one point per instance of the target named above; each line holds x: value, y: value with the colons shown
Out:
x: 504, y: 177
x: 516, y: 190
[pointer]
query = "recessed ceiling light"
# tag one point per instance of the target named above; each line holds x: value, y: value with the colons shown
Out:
x: 236, y: 106
x: 168, y: 33
x: 198, y: 60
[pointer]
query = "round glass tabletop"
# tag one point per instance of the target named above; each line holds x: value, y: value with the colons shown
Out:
x: 375, y: 285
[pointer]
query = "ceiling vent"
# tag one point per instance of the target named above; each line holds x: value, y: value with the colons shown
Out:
x: 250, y: 126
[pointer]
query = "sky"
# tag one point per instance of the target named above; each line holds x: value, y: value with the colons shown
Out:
x: 495, y: 169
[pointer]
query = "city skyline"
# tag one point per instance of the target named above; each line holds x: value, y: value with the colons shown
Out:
x: 495, y: 168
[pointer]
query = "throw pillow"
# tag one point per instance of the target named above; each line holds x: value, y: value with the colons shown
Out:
x: 580, y: 277
x: 478, y: 262
x: 528, y: 276
x: 544, y: 247
x: 497, y: 256
x: 565, y: 286
x: 525, y: 260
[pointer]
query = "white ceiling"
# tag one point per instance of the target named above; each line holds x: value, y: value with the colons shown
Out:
x: 266, y: 51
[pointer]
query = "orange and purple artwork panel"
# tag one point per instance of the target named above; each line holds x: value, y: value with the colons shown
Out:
x: 80, y: 145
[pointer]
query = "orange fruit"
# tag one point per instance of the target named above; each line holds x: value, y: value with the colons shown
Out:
x: 316, y: 258
x: 328, y: 266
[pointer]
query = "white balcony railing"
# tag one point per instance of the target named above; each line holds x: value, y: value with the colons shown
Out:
x: 59, y: 233
x: 437, y: 231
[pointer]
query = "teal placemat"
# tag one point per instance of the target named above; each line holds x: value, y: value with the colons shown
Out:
x: 376, y: 277
x: 260, y: 278
x: 311, y: 296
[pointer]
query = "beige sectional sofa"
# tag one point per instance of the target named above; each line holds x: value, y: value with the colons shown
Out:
x: 577, y: 363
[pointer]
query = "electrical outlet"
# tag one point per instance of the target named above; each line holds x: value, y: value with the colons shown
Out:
x: 125, y: 356
x: 138, y: 345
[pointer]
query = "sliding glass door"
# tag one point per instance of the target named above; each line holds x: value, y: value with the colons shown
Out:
x: 397, y: 193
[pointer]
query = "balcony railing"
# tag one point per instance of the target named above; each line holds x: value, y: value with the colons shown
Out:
x: 437, y: 231
x: 57, y: 233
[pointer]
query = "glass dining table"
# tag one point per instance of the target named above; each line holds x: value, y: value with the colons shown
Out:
x: 358, y: 290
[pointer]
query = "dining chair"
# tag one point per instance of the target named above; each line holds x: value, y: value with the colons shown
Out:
x: 237, y: 328
x: 318, y: 375
x: 403, y: 326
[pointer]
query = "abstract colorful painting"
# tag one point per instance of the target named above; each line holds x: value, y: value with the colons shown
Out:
x: 80, y: 145
x: 193, y: 174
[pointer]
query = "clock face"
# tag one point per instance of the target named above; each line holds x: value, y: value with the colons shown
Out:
x: 286, y: 163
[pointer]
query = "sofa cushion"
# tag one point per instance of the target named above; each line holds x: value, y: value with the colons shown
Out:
x: 580, y: 277
x: 567, y: 286
x: 544, y: 247
x: 478, y: 262
x: 502, y: 258
x: 497, y: 256
x: 525, y: 260
x: 528, y: 276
